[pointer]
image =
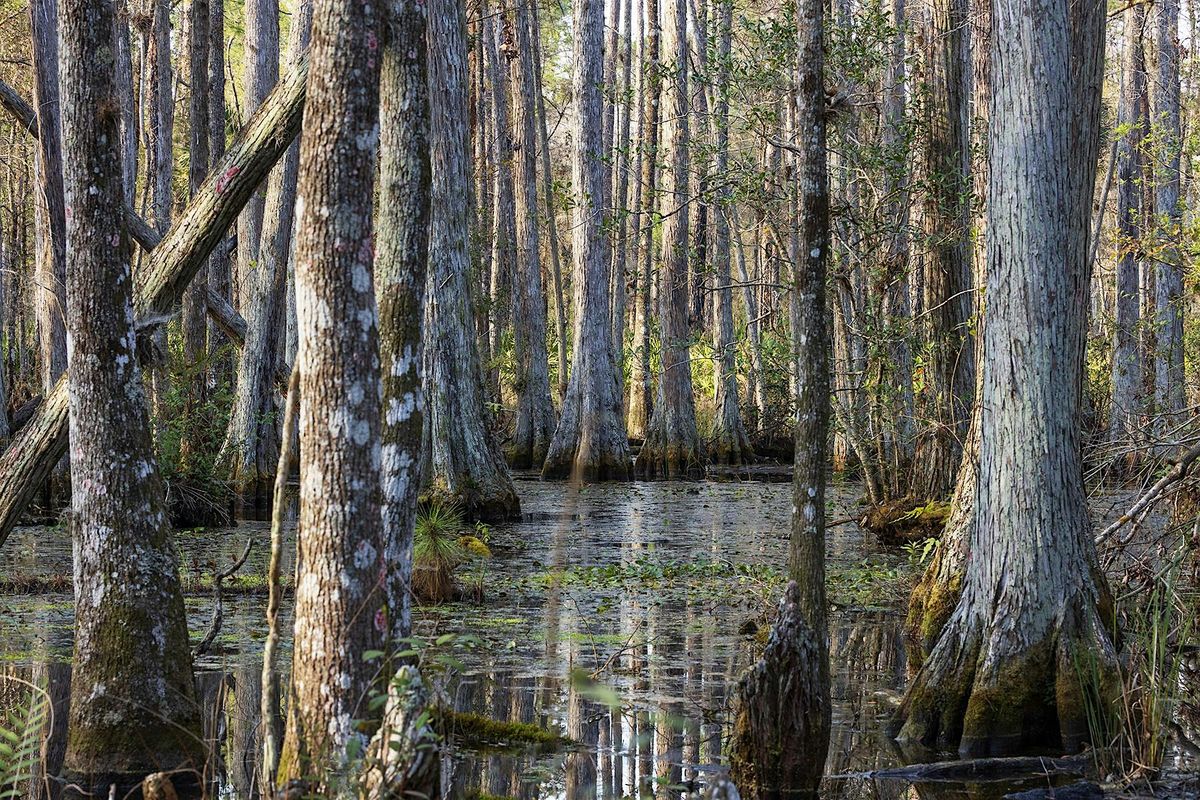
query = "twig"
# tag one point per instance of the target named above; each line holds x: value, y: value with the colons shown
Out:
x: 217, y: 616
x: 1143, y: 504
x: 270, y: 701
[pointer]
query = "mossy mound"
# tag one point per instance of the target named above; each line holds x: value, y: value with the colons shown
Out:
x: 481, y: 732
x: 901, y: 522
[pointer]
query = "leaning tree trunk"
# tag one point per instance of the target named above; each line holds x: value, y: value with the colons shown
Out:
x: 781, y: 730
x: 1126, y: 359
x: 184, y: 251
x: 401, y: 263
x: 1169, y: 376
x: 260, y: 74
x: 340, y: 608
x: 51, y: 253
x: 1034, y: 600
x: 466, y: 467
x: 130, y: 714
x: 535, y: 409
x: 640, y: 386
x: 252, y: 442
x: 945, y: 251
x: 590, y: 443
x: 732, y: 445
x: 673, y: 447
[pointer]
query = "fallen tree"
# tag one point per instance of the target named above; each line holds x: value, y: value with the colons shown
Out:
x: 173, y: 263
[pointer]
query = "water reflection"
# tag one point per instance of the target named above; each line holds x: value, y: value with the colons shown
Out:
x: 636, y: 669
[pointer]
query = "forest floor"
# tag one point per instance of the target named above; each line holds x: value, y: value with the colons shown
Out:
x: 619, y: 615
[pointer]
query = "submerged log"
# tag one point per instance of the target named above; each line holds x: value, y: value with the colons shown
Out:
x: 184, y: 250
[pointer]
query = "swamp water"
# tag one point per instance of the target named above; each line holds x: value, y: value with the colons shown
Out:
x: 620, y: 615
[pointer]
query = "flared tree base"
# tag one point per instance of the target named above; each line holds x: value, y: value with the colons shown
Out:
x: 781, y: 727
x: 990, y: 688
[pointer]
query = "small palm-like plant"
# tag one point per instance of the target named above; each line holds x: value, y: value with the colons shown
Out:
x: 437, y: 552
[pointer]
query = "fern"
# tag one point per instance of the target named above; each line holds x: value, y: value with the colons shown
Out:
x: 21, y: 741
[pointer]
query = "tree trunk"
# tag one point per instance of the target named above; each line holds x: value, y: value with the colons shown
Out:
x: 560, y: 311
x: 499, y: 240
x: 732, y: 445
x: 1034, y: 599
x: 1169, y: 376
x: 622, y: 208
x: 175, y: 261
x: 340, y: 606
x: 947, y: 266
x: 701, y: 148
x: 673, y: 447
x: 51, y: 254
x: 590, y: 443
x: 401, y: 263
x: 640, y: 386
x: 252, y: 443
x: 127, y: 97
x: 261, y: 71
x: 219, y: 279
x: 195, y: 312
x: 781, y: 730
x: 1126, y: 360
x: 129, y: 715
x: 535, y: 409
x: 159, y: 126
x: 466, y: 468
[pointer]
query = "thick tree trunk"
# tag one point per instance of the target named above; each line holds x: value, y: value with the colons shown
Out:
x: 51, y: 253
x: 174, y: 263
x: 590, y: 443
x: 731, y: 445
x: 252, y: 442
x: 944, y: 221
x: 1126, y: 419
x: 1034, y: 598
x: 673, y: 448
x: 129, y: 715
x: 466, y: 468
x: 1169, y: 376
x: 260, y: 73
x: 340, y: 606
x: 401, y: 263
x: 535, y: 409
x: 781, y: 730
x: 640, y: 386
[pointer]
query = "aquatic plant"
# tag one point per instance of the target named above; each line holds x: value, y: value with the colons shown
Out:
x: 21, y: 740
x: 437, y: 552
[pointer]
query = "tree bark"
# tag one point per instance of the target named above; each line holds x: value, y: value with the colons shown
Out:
x: 1169, y: 376
x: 590, y: 443
x: 535, y: 409
x: 182, y: 253
x: 219, y: 279
x: 252, y: 443
x: 948, y: 385
x: 1127, y: 387
x: 781, y: 730
x: 401, y: 263
x: 640, y: 385
x: 673, y: 447
x: 466, y: 467
x: 261, y: 71
x: 731, y: 445
x: 1034, y: 599
x: 340, y: 606
x: 51, y: 254
x: 129, y: 715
